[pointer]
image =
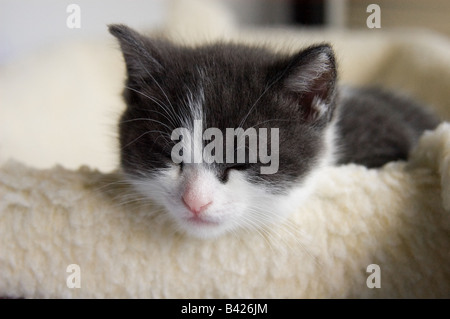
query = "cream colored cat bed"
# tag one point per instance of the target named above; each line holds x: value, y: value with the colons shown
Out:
x: 397, y: 218
x: 364, y: 233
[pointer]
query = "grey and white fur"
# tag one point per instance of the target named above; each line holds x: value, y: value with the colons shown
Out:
x: 228, y: 85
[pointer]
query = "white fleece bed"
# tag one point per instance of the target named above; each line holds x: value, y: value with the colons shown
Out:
x: 396, y: 217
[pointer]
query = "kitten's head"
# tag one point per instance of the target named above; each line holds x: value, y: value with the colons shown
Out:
x: 224, y: 136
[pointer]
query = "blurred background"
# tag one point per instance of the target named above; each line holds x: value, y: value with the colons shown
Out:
x: 60, y: 87
x: 29, y: 24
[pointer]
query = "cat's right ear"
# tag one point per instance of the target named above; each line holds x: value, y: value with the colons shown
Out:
x: 141, y: 58
x: 310, y: 80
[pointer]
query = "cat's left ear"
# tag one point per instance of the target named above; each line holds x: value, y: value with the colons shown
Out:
x: 310, y: 79
x: 142, y: 58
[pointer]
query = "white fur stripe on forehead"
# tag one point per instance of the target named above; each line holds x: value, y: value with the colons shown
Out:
x: 194, y: 102
x: 193, y: 122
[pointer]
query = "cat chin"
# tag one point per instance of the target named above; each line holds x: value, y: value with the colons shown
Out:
x: 208, y: 227
x: 212, y: 224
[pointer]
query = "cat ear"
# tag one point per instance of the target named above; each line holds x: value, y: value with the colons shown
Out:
x: 310, y: 79
x: 141, y: 57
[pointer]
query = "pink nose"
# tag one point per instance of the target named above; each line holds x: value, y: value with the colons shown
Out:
x: 196, y: 202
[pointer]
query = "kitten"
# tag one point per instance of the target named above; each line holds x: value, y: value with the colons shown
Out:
x: 225, y: 86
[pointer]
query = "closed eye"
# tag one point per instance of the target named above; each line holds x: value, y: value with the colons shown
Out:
x: 238, y: 167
